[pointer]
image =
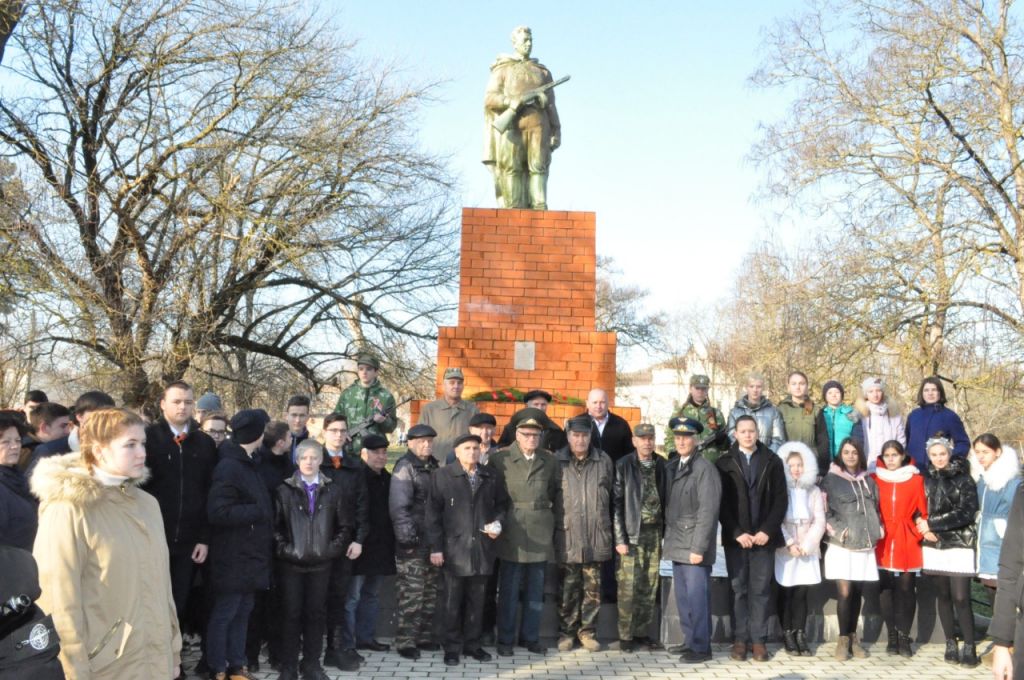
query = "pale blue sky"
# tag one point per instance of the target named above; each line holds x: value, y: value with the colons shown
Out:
x: 658, y: 119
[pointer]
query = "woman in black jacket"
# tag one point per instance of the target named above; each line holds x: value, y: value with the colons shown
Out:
x: 18, y: 507
x: 949, y: 540
x: 311, y: 528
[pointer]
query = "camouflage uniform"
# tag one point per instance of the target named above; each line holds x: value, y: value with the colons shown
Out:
x: 417, y: 596
x: 714, y: 426
x: 581, y: 600
x: 359, y: 403
x: 638, y: 584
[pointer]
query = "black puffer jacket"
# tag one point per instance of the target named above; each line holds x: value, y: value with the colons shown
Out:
x: 627, y: 496
x: 952, y: 504
x: 241, y: 516
x: 305, y: 540
x: 28, y: 640
x: 410, y: 488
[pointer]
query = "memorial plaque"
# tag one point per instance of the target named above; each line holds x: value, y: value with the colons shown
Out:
x: 526, y: 351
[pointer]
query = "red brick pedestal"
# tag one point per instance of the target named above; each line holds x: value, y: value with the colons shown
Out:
x: 528, y: 276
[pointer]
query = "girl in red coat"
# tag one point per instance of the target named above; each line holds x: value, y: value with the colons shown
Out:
x: 901, y: 501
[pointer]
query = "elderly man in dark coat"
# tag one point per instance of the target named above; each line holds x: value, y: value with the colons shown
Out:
x: 464, y: 516
x: 584, y: 539
x: 378, y: 557
x: 693, y: 494
x: 416, y: 584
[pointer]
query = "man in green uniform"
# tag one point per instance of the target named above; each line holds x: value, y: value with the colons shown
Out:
x: 639, y: 513
x: 366, y: 399
x: 449, y: 415
x: 714, y: 441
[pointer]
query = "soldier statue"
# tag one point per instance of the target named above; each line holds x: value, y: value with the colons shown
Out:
x: 521, y: 126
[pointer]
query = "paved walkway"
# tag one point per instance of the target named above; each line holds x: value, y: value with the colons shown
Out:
x: 582, y: 665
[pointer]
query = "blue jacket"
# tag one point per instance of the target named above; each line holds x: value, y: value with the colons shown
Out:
x: 924, y: 422
x: 996, y: 487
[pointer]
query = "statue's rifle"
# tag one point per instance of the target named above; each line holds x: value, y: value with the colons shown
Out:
x: 502, y: 122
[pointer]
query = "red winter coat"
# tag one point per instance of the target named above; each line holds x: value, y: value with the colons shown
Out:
x: 901, y: 501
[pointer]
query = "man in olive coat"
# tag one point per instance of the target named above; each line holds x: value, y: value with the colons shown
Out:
x: 464, y: 517
x: 693, y: 495
x: 534, y: 483
x: 584, y: 540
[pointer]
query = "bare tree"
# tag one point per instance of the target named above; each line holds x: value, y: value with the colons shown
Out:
x: 903, y: 135
x: 620, y: 308
x: 217, y: 178
x: 10, y: 14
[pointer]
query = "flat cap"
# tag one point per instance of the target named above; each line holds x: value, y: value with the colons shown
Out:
x: 482, y: 419
x: 420, y: 430
x: 453, y: 373
x: 467, y: 438
x: 247, y: 425
x: 209, y: 402
x: 580, y: 424
x: 533, y: 394
x: 367, y: 359
x: 686, y: 426
x: 699, y: 380
x: 375, y: 441
x: 644, y: 430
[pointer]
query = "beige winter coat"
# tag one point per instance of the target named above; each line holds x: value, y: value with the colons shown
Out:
x: 104, y: 573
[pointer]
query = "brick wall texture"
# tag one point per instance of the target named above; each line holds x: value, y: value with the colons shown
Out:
x: 529, y: 275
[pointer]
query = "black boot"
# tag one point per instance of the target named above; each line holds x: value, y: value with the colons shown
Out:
x: 801, y: 643
x: 893, y: 647
x: 952, y: 653
x: 335, y: 655
x: 789, y: 642
x: 969, y: 659
x: 905, y: 650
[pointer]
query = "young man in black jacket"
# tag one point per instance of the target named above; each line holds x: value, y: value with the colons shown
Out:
x: 181, y: 459
x: 754, y: 501
x: 464, y: 514
x: 347, y: 472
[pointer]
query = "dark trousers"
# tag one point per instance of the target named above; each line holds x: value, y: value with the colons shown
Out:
x: 337, y: 597
x: 750, y: 574
x: 511, y: 576
x: 463, y: 608
x: 304, y: 612
x: 182, y: 571
x: 793, y: 612
x: 225, y: 634
x: 692, y: 585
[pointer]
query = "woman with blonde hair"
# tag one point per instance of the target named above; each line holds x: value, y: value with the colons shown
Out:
x: 102, y: 555
x: 880, y: 420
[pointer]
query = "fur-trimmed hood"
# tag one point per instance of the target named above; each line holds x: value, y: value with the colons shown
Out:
x: 861, y: 406
x: 810, y: 476
x: 65, y: 478
x: 999, y: 474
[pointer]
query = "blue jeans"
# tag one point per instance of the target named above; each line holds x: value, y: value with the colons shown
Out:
x: 225, y: 633
x: 511, y: 576
x: 361, y: 609
x: 692, y: 584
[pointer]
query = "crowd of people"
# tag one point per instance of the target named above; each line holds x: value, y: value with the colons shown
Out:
x: 250, y: 535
